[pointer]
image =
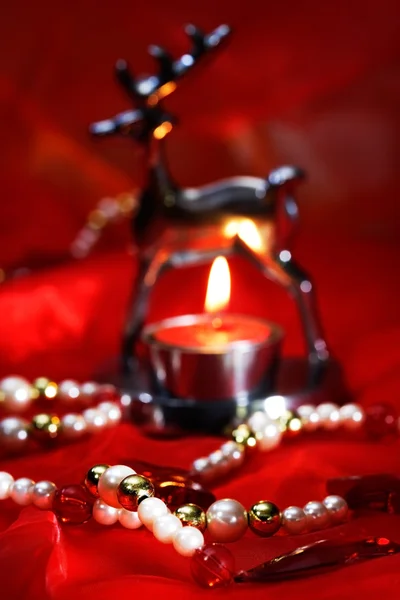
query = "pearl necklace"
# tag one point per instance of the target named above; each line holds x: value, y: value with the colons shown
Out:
x: 108, y: 211
x: 117, y: 493
x: 104, y: 408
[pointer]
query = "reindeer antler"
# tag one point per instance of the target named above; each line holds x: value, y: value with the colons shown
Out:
x: 171, y: 70
x: 197, y: 37
x: 146, y: 92
x: 125, y: 78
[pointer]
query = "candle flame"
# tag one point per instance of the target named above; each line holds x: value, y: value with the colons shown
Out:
x: 248, y: 232
x: 219, y: 286
x: 250, y: 235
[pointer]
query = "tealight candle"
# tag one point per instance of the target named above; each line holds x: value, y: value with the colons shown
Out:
x: 208, y: 333
x: 214, y: 356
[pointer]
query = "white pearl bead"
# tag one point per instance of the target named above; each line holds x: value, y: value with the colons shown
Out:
x: 337, y: 508
x: 270, y: 437
x: 166, y: 527
x: 234, y: 453
x: 17, y: 393
x: 258, y: 421
x: 87, y: 391
x: 351, y: 416
x: 14, y: 433
x: 226, y: 520
x: 95, y: 419
x: 309, y: 417
x: 204, y: 468
x: 294, y: 520
x: 201, y: 465
x: 111, y: 410
x: 73, y: 425
x: 68, y: 390
x: 43, y: 494
x: 219, y: 463
x: 187, y: 540
x: 110, y: 208
x: 104, y: 514
x: 129, y: 519
x: 109, y: 482
x: 21, y: 491
x: 317, y: 515
x: 6, y: 482
x: 275, y: 407
x: 149, y: 509
x: 329, y: 415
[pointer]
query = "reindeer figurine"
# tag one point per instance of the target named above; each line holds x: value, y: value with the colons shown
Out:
x: 175, y: 227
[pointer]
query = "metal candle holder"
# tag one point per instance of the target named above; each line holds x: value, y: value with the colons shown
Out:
x: 211, y: 374
x: 176, y: 227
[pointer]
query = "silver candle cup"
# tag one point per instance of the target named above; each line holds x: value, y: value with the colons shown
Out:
x: 240, y: 369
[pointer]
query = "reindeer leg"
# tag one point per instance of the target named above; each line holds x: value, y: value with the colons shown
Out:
x: 135, y: 315
x: 301, y: 289
x: 282, y: 269
x: 148, y: 273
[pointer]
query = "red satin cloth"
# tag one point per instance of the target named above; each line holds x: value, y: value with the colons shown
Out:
x: 310, y: 83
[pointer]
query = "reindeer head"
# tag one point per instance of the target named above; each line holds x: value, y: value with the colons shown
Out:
x: 148, y: 119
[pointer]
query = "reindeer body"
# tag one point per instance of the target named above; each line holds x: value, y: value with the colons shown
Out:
x: 163, y: 203
x: 181, y: 226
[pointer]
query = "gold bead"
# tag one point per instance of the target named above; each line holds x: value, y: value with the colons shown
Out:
x: 45, y: 427
x: 92, y: 478
x: 133, y: 489
x: 51, y: 390
x: 127, y: 202
x: 284, y: 419
x: 245, y: 436
x: 39, y: 387
x: 97, y: 219
x: 294, y: 426
x: 264, y: 518
x: 40, y: 384
x: 193, y: 515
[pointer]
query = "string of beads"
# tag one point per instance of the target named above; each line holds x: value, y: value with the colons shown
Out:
x: 117, y: 494
x: 112, y: 494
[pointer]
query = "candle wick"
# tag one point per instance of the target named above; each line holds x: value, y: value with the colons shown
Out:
x: 216, y: 321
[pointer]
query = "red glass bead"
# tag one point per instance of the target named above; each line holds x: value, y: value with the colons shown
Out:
x: 173, y: 485
x: 380, y: 421
x: 393, y: 503
x: 152, y: 471
x: 318, y: 557
x: 213, y: 566
x: 376, y: 492
x: 73, y: 504
x: 106, y: 393
x: 178, y: 490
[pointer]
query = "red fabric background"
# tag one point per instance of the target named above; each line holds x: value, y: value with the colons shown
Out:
x: 312, y: 83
